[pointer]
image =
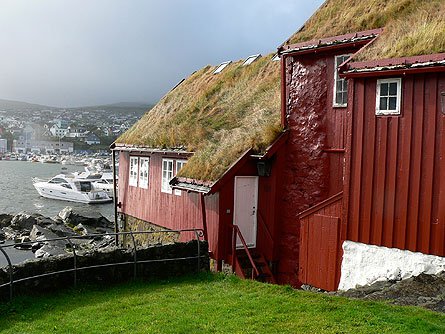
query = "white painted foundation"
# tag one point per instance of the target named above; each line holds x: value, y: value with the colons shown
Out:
x: 366, y: 264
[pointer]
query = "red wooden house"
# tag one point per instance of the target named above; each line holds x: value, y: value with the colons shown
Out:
x: 357, y: 159
x: 380, y: 178
x: 202, y: 158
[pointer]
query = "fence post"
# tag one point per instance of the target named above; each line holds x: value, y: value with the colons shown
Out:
x: 75, y: 260
x: 199, y: 250
x: 233, y: 247
x: 135, y: 257
x: 11, y: 272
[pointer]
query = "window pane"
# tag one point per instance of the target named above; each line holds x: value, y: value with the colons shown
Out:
x: 392, y: 103
x: 384, y: 89
x: 393, y: 88
x: 383, y: 103
x: 338, y: 98
x: 345, y: 98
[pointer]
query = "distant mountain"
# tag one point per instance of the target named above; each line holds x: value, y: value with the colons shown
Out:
x: 11, y: 105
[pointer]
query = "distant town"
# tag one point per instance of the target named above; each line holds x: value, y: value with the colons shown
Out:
x: 35, y: 129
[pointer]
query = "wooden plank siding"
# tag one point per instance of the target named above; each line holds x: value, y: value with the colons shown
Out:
x: 395, y: 187
x: 320, y: 245
x: 167, y: 210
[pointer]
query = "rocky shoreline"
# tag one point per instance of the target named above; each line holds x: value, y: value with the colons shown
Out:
x: 30, y: 232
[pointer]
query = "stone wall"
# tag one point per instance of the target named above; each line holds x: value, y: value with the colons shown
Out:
x: 160, y: 268
x: 132, y: 224
x: 366, y: 264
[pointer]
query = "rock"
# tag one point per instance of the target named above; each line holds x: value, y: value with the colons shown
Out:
x: 422, y: 290
x: 39, y: 233
x: 61, y: 230
x: 49, y: 250
x: 23, y: 221
x: 5, y: 220
x: 72, y: 218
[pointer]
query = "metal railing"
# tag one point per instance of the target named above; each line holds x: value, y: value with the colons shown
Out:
x: 237, y: 232
x: 198, y: 236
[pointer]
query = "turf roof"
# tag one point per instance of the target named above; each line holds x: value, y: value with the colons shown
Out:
x: 411, y: 27
x: 216, y: 116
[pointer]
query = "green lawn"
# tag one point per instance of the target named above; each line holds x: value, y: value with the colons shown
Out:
x: 208, y: 304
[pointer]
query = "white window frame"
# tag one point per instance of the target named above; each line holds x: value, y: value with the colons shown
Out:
x: 167, y: 175
x: 338, y: 79
x: 144, y: 172
x: 133, y: 172
x: 390, y: 112
x: 179, y: 164
x: 221, y: 67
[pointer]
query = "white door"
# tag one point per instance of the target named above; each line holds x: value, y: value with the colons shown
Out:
x: 245, y: 212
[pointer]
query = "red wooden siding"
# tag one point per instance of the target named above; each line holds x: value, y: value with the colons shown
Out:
x: 320, y: 246
x: 397, y: 173
x: 167, y: 210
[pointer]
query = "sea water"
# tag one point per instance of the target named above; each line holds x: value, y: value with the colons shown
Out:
x: 17, y: 194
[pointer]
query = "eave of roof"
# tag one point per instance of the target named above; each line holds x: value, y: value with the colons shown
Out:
x: 358, y: 38
x: 142, y: 149
x: 199, y: 186
x: 416, y: 64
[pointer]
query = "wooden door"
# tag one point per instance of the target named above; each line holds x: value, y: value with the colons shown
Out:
x: 245, y: 208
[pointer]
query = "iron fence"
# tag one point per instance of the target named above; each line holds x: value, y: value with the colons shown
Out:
x: 198, y: 236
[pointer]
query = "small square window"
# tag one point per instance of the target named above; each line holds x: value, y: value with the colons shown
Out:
x: 388, y: 96
x: 221, y: 67
x: 251, y: 59
x: 340, y: 84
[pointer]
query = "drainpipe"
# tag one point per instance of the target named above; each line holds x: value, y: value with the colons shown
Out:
x: 116, y: 228
x: 204, y: 218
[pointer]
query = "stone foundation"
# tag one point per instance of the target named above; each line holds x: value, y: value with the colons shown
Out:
x: 132, y: 224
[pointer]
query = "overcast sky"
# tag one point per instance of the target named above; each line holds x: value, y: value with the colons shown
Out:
x: 90, y: 52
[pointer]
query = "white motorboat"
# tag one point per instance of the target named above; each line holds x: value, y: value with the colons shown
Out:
x: 69, y: 187
x: 105, y: 183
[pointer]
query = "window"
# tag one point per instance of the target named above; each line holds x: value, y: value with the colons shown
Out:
x: 340, y: 84
x: 144, y: 169
x: 221, y: 67
x: 167, y: 175
x: 133, y: 171
x: 251, y: 59
x: 276, y: 57
x: 179, y: 165
x: 388, y: 96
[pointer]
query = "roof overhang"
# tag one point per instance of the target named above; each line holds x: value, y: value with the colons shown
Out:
x: 143, y: 149
x: 394, y: 66
x: 330, y: 43
x: 209, y: 187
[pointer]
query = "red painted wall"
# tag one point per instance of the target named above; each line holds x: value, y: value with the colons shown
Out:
x: 311, y: 171
x: 266, y: 233
x: 167, y: 210
x: 395, y: 185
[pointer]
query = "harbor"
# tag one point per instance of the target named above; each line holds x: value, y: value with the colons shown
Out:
x: 19, y: 194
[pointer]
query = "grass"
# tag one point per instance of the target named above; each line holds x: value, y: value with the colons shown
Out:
x: 208, y: 304
x: 218, y: 117
x: 411, y: 27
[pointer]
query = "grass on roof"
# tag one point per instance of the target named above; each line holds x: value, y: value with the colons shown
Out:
x: 411, y: 27
x: 209, y: 303
x: 216, y: 116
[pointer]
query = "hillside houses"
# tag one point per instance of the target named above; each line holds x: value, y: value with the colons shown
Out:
x: 323, y: 164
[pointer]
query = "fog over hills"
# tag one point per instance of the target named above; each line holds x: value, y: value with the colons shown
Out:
x: 11, y: 106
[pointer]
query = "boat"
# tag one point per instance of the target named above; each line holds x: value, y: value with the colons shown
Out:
x: 69, y: 187
x: 105, y: 183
